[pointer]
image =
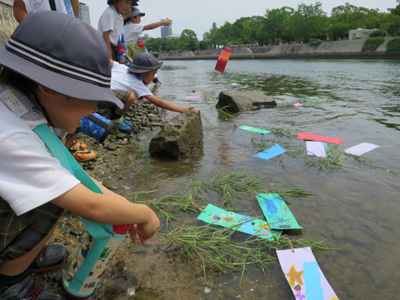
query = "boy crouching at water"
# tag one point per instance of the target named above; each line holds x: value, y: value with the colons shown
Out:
x: 136, y: 78
x: 50, y: 80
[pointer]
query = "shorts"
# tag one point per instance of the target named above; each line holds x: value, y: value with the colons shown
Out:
x: 20, y: 234
x: 122, y: 95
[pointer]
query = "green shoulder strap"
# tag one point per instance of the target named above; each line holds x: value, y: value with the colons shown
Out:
x: 60, y: 152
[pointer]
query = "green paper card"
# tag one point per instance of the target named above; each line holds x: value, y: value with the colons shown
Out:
x: 253, y: 129
x: 277, y: 212
x: 218, y: 216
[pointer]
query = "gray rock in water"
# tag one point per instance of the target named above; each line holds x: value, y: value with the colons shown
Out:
x: 241, y: 101
x: 179, y: 137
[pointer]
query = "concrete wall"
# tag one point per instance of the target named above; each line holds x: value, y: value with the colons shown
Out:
x: 337, y: 49
x: 7, y: 20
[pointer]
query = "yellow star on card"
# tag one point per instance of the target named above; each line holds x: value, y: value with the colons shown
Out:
x: 294, y: 276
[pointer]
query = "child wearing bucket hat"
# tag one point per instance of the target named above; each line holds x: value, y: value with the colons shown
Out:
x: 21, y: 9
x: 50, y: 80
x: 136, y: 78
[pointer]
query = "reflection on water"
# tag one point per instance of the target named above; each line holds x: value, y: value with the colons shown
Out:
x: 356, y: 209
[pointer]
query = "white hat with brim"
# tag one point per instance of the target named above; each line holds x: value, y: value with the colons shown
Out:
x: 63, y: 54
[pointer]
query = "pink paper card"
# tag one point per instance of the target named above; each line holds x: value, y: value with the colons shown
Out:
x: 320, y: 138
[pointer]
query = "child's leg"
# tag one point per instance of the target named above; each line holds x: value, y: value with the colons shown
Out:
x: 127, y: 98
x: 19, y: 265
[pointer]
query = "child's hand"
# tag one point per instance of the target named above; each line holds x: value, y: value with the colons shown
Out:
x: 145, y: 231
x: 186, y: 109
x: 167, y: 22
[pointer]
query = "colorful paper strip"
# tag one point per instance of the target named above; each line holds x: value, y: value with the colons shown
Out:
x: 304, y: 276
x: 316, y: 149
x: 321, y: 138
x: 271, y: 152
x: 277, y: 212
x: 253, y: 129
x: 360, y: 149
x: 218, y: 216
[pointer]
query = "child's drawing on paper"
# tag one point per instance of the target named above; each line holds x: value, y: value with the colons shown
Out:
x: 304, y: 276
x: 218, y: 216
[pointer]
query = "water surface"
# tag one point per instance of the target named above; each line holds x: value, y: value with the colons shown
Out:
x: 355, y: 208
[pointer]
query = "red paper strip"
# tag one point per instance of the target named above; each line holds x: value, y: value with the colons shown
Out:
x: 321, y: 138
x: 223, y: 59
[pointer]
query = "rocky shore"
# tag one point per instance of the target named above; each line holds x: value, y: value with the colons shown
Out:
x: 116, y: 283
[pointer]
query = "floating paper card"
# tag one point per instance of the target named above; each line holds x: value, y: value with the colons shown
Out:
x: 321, y: 138
x: 277, y: 212
x: 315, y: 148
x: 297, y: 104
x: 218, y: 216
x: 258, y: 130
x: 360, y: 149
x: 271, y: 152
x: 304, y: 275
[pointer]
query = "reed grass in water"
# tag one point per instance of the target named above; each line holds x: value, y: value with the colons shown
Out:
x: 216, y: 248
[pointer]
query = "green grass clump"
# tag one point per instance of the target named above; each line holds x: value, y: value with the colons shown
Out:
x: 372, y: 44
x: 393, y: 46
x: 213, y: 247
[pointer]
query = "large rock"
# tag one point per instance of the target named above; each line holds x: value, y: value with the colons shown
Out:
x: 179, y: 137
x: 241, y: 101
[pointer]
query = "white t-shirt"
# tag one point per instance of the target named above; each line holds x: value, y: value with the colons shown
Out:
x: 36, y: 5
x: 132, y: 31
x: 29, y: 175
x: 121, y: 79
x: 111, y: 20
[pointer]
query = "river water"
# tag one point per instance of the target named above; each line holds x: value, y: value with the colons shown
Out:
x: 354, y: 208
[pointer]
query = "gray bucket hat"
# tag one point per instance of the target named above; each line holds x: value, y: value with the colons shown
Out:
x: 135, y: 12
x: 144, y: 62
x: 63, y: 54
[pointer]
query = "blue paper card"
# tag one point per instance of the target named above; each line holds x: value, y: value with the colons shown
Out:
x: 218, y: 216
x: 253, y: 129
x: 271, y: 152
x: 277, y: 212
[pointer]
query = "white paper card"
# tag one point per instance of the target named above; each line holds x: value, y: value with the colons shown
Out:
x: 360, y: 149
x: 315, y: 148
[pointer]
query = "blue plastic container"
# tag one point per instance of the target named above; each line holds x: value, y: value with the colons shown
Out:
x: 96, y: 126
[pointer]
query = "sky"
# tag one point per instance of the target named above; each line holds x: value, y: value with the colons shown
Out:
x: 199, y: 15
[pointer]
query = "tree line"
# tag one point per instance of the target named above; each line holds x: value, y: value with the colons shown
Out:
x: 308, y: 23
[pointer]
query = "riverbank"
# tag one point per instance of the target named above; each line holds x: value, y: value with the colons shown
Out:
x: 336, y: 49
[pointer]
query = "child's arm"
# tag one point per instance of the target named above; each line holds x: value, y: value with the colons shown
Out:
x: 109, y: 208
x: 154, y: 25
x: 167, y: 105
x: 75, y: 7
x: 19, y: 10
x: 106, y: 37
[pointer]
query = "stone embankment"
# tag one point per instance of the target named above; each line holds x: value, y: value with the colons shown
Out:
x: 7, y: 20
x: 336, y: 49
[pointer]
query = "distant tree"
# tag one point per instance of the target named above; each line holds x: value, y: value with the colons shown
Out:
x: 306, y: 22
x: 189, y: 40
x: 396, y: 10
x: 276, y: 22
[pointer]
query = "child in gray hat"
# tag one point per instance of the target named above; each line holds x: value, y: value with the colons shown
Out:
x: 51, y: 80
x: 136, y: 78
